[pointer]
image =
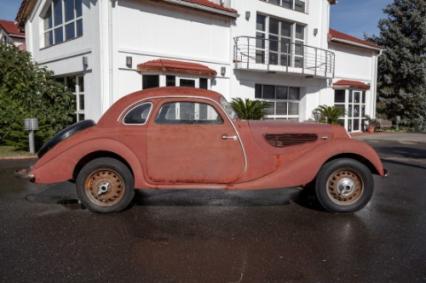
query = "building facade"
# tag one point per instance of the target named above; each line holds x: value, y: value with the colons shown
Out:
x: 280, y: 51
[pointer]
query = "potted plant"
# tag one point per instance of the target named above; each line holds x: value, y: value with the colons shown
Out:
x: 372, y: 124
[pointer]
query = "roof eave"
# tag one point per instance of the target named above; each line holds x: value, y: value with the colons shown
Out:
x: 203, y: 8
x: 348, y: 42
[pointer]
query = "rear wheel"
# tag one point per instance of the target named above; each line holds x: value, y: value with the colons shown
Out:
x: 105, y: 185
x: 344, y: 185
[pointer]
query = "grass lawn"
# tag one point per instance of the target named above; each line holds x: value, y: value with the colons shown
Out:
x: 9, y: 151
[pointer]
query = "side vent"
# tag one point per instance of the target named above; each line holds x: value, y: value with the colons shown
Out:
x: 285, y: 140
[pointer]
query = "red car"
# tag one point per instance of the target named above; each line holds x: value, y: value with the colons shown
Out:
x: 186, y: 138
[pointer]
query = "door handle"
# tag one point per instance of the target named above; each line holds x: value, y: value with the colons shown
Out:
x: 232, y: 138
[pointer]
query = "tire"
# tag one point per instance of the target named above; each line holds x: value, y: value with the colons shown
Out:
x: 105, y: 185
x: 344, y: 185
x: 64, y: 134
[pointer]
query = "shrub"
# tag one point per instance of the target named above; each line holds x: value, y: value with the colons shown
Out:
x: 249, y: 109
x: 28, y: 91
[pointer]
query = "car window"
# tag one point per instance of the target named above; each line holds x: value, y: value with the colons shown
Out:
x: 138, y: 115
x: 188, y: 113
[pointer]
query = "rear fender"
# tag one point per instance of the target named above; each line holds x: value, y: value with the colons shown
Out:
x: 304, y: 169
x: 61, y: 167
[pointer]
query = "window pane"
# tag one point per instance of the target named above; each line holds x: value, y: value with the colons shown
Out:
x: 282, y: 92
x: 187, y: 83
x: 150, y: 81
x: 268, y: 92
x: 48, y: 38
x: 260, y: 57
x: 285, y: 46
x: 59, y: 35
x: 270, y: 108
x: 273, y: 58
x: 258, y: 91
x: 275, y: 2
x: 260, y: 22
x: 298, y: 62
x: 339, y: 96
x: 79, y: 28
x: 260, y: 40
x: 287, y: 4
x: 357, y: 96
x: 71, y: 82
x: 281, y: 108
x: 342, y: 108
x: 81, y: 117
x: 293, y: 108
x: 363, y: 96
x: 273, y: 43
x: 189, y: 113
x: 78, y: 7
x: 273, y: 26
x: 204, y: 83
x: 170, y: 80
x: 286, y: 29
x: 48, y: 19
x: 300, y: 6
x: 69, y: 31
x: 69, y: 10
x: 300, y: 32
x: 57, y: 8
x: 294, y: 93
x: 81, y: 83
x: 81, y: 98
x: 299, y: 48
x: 138, y: 115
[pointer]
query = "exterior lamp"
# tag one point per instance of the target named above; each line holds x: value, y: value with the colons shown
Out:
x: 223, y: 71
x: 129, y: 62
x: 31, y: 125
x: 248, y: 15
x: 85, y: 62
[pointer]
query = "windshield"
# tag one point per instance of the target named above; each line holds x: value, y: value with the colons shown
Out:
x: 228, y: 108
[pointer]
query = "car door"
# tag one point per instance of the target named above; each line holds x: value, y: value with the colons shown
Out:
x: 193, y: 142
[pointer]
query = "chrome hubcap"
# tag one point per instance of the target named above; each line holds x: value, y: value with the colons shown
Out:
x: 345, y: 187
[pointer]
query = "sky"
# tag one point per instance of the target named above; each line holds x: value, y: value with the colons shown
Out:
x: 355, y: 17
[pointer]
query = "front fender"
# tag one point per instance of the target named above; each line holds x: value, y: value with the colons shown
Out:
x: 304, y: 169
x: 60, y: 168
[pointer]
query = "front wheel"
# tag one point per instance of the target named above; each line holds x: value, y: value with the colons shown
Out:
x: 105, y: 185
x: 344, y: 185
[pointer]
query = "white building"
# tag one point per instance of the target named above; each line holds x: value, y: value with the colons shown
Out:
x: 10, y: 34
x: 282, y: 51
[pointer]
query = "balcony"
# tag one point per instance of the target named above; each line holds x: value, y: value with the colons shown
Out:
x: 283, y: 56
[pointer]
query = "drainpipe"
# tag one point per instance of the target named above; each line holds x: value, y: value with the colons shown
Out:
x: 376, y: 74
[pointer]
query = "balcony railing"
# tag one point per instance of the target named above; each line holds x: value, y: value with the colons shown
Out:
x: 260, y: 54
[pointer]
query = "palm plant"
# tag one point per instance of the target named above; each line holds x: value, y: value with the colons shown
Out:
x: 248, y: 109
x: 329, y: 114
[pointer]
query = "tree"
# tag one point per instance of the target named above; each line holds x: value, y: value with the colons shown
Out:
x: 28, y: 91
x: 249, y: 109
x: 329, y: 114
x: 402, y: 67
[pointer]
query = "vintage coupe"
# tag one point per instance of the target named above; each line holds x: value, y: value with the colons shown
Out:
x: 186, y: 138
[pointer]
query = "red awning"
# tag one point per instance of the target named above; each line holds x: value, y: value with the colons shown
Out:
x: 179, y: 67
x: 351, y: 84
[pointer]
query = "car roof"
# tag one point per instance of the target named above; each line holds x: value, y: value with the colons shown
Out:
x: 118, y: 107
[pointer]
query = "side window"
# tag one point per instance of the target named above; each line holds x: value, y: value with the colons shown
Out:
x: 188, y: 113
x: 138, y: 115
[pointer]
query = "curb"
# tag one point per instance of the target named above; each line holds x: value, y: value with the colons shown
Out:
x: 18, y: 157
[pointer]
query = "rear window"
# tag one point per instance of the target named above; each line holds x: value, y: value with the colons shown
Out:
x: 138, y: 115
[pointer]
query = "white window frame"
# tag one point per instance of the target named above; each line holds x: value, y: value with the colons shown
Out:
x: 276, y: 116
x: 47, y: 30
x: 293, y: 5
x: 349, y: 107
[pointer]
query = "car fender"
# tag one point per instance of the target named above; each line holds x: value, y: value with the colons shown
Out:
x: 61, y: 167
x: 304, y: 169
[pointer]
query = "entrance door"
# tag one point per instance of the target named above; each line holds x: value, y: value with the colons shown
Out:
x: 190, y: 142
x: 353, y: 103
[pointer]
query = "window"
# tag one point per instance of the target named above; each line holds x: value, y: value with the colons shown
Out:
x: 204, y: 83
x: 187, y: 83
x: 150, y: 81
x: 283, y: 101
x: 75, y: 84
x: 188, y: 113
x: 63, y: 21
x: 170, y: 80
x: 284, y: 39
x: 138, y: 115
x: 297, y: 5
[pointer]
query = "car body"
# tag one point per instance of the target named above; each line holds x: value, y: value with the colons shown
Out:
x: 189, y: 138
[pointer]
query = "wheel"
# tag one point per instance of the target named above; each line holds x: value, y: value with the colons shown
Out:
x: 105, y: 185
x: 344, y: 185
x: 64, y: 134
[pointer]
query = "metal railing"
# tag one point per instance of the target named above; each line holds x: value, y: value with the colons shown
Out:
x: 283, y: 56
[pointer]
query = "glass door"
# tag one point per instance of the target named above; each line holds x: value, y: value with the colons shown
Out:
x: 353, y: 104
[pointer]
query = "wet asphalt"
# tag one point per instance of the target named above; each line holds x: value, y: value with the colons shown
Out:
x: 216, y: 236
